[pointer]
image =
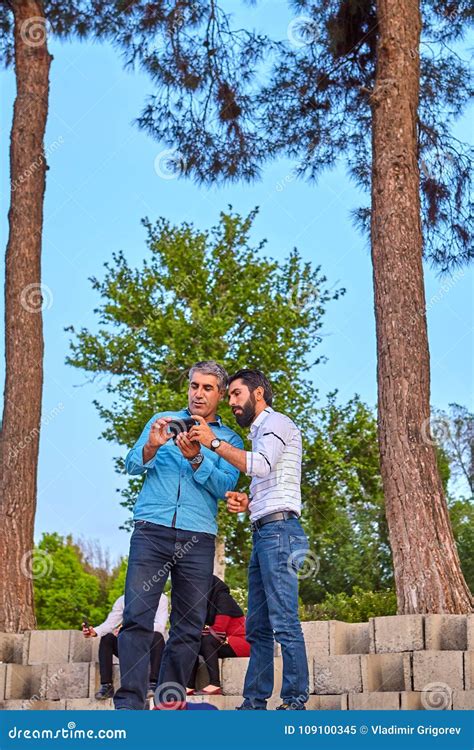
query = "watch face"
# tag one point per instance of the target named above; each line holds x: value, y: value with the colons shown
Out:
x: 215, y: 443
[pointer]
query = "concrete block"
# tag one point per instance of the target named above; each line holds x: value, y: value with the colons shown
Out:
x: 24, y: 681
x: 3, y: 678
x: 88, y: 704
x: 337, y: 674
x: 446, y: 632
x: 374, y: 701
x: 436, y: 700
x: 432, y: 669
x: 469, y: 670
x: 316, y: 637
x: 386, y: 672
x: 48, y: 646
x: 80, y: 648
x: 324, y: 702
x: 470, y: 632
x: 395, y: 633
x: 233, y: 675
x: 349, y: 637
x: 28, y: 705
x: 463, y: 700
x: 11, y: 648
x: 67, y: 681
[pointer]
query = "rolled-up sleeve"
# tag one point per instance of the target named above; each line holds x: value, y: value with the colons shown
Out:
x: 268, y: 446
x: 218, y: 477
x: 134, y: 460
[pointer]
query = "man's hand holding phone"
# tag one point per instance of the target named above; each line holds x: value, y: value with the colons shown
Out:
x: 88, y: 631
x: 237, y: 502
x: 157, y: 437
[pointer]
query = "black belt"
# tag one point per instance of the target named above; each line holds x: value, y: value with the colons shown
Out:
x: 280, y: 515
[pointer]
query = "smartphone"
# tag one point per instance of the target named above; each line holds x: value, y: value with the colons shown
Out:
x: 85, y: 623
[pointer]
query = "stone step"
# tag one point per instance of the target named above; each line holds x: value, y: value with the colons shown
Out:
x: 390, y: 700
x: 418, y: 671
x: 390, y: 634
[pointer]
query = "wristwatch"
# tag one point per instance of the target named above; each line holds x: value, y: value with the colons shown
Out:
x: 215, y: 444
x: 197, y: 460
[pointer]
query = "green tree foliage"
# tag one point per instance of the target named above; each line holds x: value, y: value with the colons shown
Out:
x: 117, y: 584
x: 462, y: 519
x: 357, y: 607
x: 65, y: 592
x: 343, y: 503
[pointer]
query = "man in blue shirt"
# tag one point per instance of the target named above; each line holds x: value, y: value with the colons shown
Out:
x: 175, y: 528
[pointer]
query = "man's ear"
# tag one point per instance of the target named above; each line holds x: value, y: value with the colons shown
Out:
x: 258, y: 392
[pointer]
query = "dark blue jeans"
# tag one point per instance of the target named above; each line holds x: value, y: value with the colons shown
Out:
x: 155, y: 552
x: 278, y: 552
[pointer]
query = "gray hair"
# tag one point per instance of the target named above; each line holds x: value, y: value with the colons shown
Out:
x: 209, y: 367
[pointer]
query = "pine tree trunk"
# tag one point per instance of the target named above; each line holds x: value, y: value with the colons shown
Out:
x: 219, y: 558
x: 19, y: 439
x: 428, y: 575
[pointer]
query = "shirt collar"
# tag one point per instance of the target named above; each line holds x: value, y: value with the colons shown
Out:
x: 261, y: 418
x: 218, y: 420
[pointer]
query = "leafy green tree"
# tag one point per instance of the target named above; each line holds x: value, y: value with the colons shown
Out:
x: 64, y: 592
x: 344, y: 509
x: 117, y: 586
x: 201, y: 295
x: 462, y: 518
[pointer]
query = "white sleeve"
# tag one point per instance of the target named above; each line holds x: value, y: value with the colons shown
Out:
x: 114, y: 618
x: 161, y: 616
x: 267, y: 448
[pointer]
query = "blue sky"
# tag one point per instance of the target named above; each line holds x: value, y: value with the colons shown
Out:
x: 102, y: 180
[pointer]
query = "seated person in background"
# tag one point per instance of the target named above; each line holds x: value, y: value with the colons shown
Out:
x: 223, y: 636
x: 108, y: 631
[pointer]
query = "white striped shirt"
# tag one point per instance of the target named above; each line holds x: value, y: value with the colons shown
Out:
x: 274, y: 463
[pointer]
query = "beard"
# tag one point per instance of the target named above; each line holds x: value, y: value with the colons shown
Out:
x: 245, y: 417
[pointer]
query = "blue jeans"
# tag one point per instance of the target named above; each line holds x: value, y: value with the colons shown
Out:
x: 278, y: 552
x: 155, y: 552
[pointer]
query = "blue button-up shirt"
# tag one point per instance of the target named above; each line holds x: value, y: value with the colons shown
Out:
x: 172, y: 487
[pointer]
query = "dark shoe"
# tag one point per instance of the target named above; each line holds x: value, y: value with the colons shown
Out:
x: 151, y: 689
x: 105, y: 691
x: 291, y: 707
x: 247, y: 707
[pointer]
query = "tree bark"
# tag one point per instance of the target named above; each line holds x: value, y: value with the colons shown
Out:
x: 428, y: 574
x: 219, y: 558
x: 19, y: 440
